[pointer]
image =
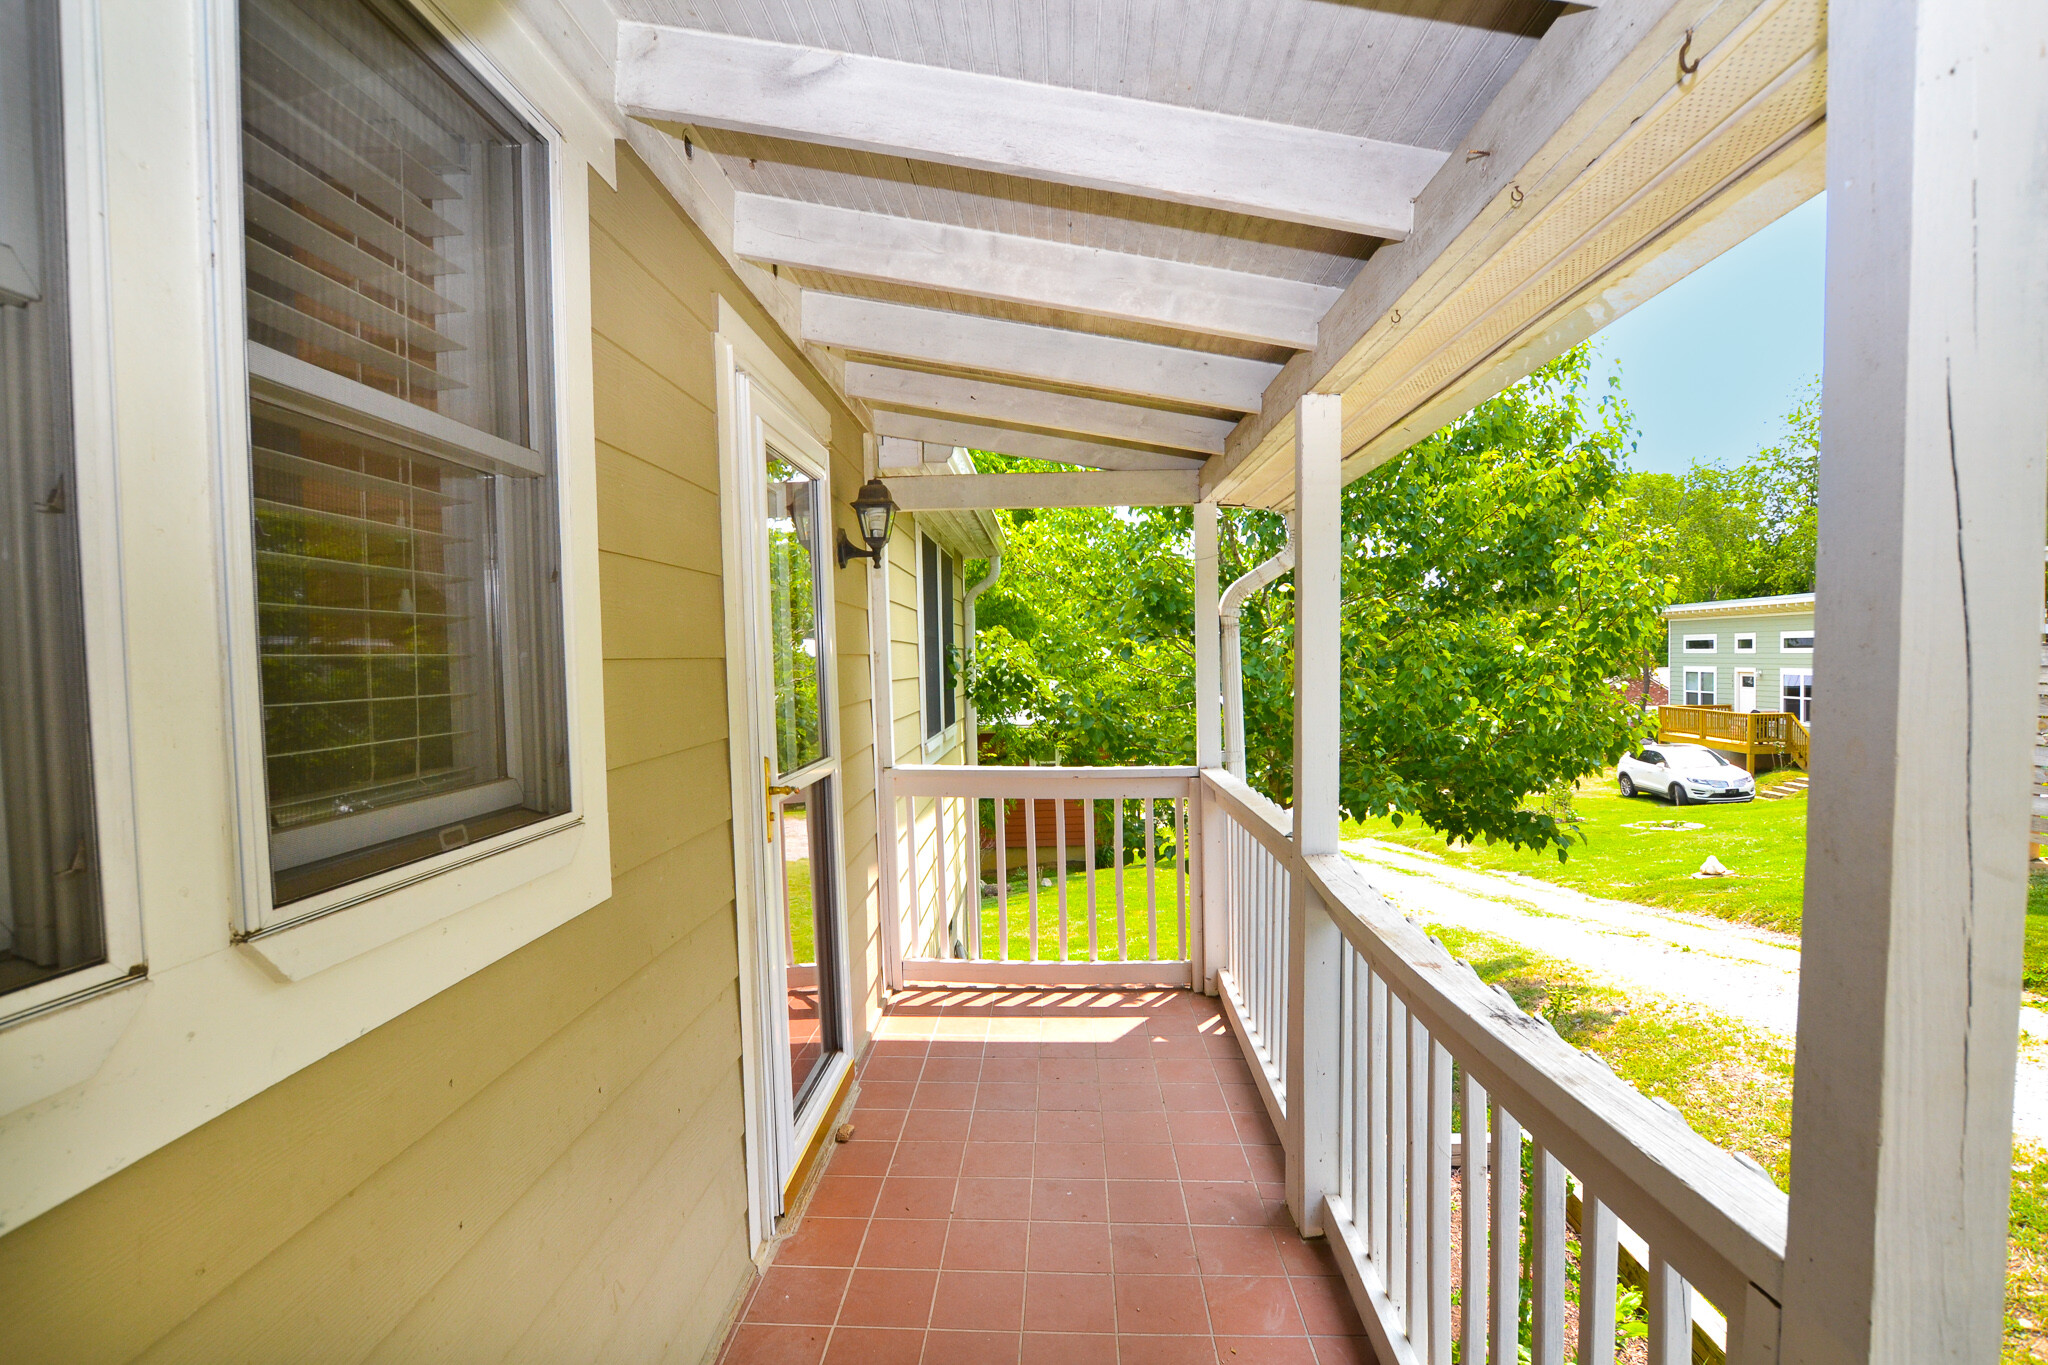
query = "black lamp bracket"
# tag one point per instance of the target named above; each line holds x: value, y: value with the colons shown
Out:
x: 849, y: 550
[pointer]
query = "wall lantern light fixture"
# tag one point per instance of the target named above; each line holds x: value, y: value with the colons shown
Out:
x: 876, y: 511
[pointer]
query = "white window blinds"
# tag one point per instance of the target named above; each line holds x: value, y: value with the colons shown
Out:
x: 386, y: 212
x: 406, y: 593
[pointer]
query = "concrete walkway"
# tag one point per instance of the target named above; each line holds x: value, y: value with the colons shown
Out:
x: 1734, y: 969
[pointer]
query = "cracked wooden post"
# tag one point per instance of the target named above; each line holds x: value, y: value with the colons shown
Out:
x: 1928, y: 613
x: 1313, y: 941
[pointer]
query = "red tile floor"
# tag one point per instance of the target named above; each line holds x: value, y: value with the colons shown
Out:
x: 1070, y: 1177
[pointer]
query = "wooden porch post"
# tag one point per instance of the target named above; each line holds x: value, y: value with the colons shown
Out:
x: 1929, y: 604
x: 1206, y: 831
x: 1313, y: 941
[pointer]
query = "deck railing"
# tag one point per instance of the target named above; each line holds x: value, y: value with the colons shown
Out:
x: 1039, y: 876
x: 1747, y: 732
x: 1255, y: 839
x: 1409, y: 1062
x: 1407, y: 1092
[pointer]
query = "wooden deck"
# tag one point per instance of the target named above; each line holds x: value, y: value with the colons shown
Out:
x: 1777, y: 736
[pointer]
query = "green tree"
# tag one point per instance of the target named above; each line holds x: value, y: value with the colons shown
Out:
x: 1083, y: 649
x: 1743, y: 530
x: 1496, y: 579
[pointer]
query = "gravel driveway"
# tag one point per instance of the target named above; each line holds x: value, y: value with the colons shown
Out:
x: 1748, y: 973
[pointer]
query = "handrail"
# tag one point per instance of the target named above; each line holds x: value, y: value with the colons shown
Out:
x: 988, y: 781
x: 1720, y: 1222
x: 1266, y: 820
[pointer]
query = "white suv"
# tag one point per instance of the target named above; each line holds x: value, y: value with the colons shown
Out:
x: 1684, y: 772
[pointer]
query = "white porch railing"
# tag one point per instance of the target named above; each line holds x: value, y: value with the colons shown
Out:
x: 1399, y: 1061
x: 1108, y: 875
x: 1416, y: 1061
x: 1252, y: 886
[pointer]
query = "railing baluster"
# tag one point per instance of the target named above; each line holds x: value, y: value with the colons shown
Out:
x: 1060, y: 851
x: 1002, y: 880
x: 1397, y: 1152
x: 1668, y: 1303
x: 974, y: 944
x: 1088, y: 839
x: 1547, y: 1258
x: 1182, y: 948
x: 1472, y: 1191
x: 1348, y: 1071
x: 1031, y: 873
x: 1597, y: 1271
x: 1507, y: 1236
x: 1439, y: 1203
x: 941, y: 882
x: 1151, y: 806
x: 1376, y: 1126
x: 1117, y: 835
x: 917, y: 937
x: 1419, y: 1217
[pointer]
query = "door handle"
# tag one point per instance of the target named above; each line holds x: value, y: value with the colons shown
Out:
x: 774, y: 790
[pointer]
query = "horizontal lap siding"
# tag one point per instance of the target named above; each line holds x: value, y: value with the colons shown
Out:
x: 1768, y: 660
x: 544, y: 1162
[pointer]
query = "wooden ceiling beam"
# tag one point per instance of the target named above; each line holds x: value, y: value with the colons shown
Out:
x: 1603, y: 161
x: 1022, y: 128
x: 963, y: 492
x: 1029, y: 270
x: 1050, y: 355
x: 1024, y: 445
x: 883, y: 386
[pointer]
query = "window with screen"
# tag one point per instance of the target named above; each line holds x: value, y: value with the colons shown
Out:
x: 940, y: 575
x: 407, y: 583
x: 51, y: 919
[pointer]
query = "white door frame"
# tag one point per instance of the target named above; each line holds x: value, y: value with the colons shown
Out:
x: 1745, y: 678
x: 761, y: 403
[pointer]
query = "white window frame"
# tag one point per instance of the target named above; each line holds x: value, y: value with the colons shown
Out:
x: 933, y: 745
x: 1786, y: 636
x: 1745, y: 643
x: 87, y: 285
x: 1713, y: 676
x: 1806, y: 674
x: 1686, y: 645
x: 262, y: 373
x: 95, y: 1084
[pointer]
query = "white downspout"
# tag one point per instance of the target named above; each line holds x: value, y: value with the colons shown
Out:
x: 1233, y: 650
x: 995, y: 571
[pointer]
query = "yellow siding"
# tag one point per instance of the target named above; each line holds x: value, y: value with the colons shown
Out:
x: 544, y: 1162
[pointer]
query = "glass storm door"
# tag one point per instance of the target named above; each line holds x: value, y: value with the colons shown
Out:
x: 1745, y: 689
x: 798, y: 906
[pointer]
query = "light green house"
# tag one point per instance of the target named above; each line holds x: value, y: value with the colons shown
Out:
x: 1749, y: 653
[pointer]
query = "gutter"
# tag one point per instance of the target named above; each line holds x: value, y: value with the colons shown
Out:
x: 1228, y: 611
x: 995, y: 571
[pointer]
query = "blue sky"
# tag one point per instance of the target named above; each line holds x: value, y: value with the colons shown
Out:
x: 1711, y: 365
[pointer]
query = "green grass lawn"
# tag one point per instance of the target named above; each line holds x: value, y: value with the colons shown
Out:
x: 1136, y: 933
x: 1763, y: 842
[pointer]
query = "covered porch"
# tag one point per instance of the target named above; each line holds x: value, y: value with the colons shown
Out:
x: 1069, y: 1176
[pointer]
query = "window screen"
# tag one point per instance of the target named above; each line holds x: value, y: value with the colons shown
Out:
x: 51, y: 921
x: 407, y: 604
x: 938, y: 573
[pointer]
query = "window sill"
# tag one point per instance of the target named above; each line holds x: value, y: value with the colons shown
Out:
x: 65, y: 1045
x: 421, y: 896
x: 938, y: 744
